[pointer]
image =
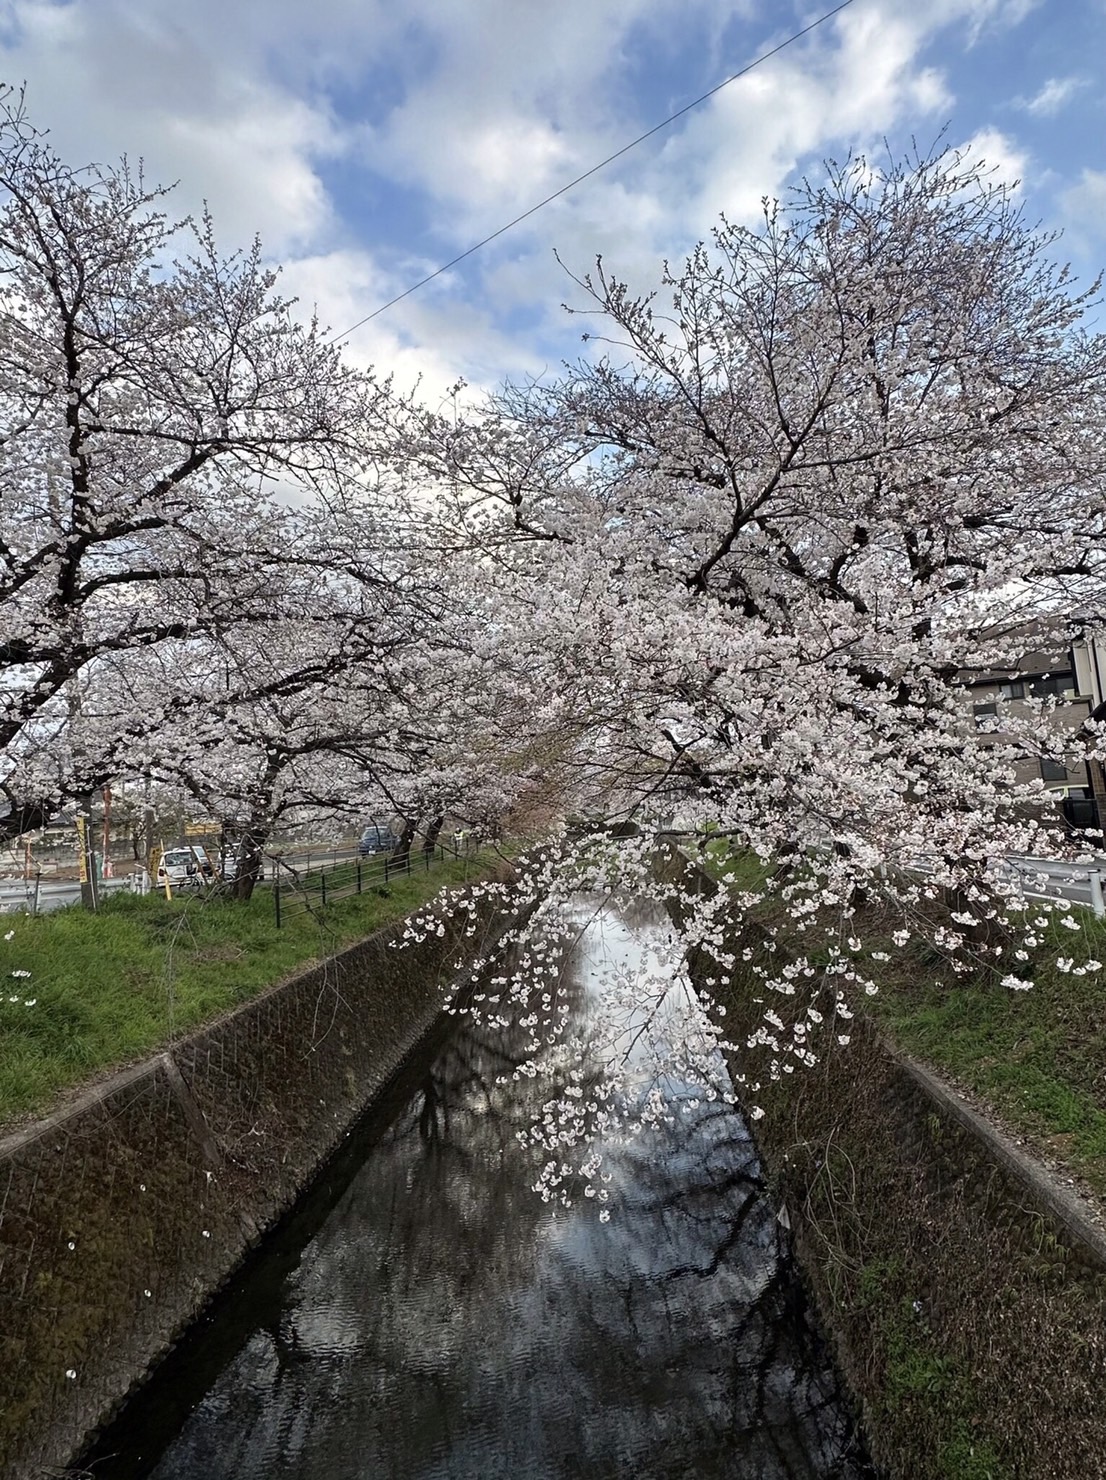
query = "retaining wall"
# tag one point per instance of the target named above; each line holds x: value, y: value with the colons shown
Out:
x: 963, y: 1288
x: 121, y: 1217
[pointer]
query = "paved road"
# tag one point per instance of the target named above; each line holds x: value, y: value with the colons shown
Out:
x: 309, y: 859
x: 1042, y: 878
x: 17, y: 895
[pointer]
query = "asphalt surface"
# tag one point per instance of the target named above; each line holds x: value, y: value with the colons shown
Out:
x: 47, y: 894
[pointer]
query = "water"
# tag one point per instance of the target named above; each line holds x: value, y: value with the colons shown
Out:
x: 427, y: 1317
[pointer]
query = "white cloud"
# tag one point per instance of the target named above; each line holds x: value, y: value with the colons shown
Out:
x: 750, y: 138
x: 519, y: 99
x: 472, y: 139
x: 447, y: 119
x: 984, y: 15
x: 430, y: 337
x: 1053, y: 96
x: 1084, y: 205
x: 1000, y: 153
x: 160, y: 82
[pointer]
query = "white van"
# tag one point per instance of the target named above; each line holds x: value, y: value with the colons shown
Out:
x: 184, y: 868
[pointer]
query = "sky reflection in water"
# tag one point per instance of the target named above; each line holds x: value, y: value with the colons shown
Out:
x: 445, y: 1324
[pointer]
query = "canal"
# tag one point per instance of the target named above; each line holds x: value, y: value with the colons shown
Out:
x: 424, y: 1315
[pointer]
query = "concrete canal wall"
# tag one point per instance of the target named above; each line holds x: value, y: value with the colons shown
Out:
x: 122, y: 1216
x: 963, y: 1287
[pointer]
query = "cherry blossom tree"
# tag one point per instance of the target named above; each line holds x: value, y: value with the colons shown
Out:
x: 834, y: 462
x: 861, y: 452
x: 324, y: 732
x: 156, y: 396
x: 311, y: 701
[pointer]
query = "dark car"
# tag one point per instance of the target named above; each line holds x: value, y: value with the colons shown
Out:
x: 376, y: 839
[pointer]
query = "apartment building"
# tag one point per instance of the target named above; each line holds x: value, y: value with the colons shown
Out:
x: 1089, y: 663
x: 1068, y: 675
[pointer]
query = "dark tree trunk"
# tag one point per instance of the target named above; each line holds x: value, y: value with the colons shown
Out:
x: 250, y: 860
x: 402, y: 850
x: 430, y: 840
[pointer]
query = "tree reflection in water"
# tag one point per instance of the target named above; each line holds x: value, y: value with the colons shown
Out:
x: 446, y: 1323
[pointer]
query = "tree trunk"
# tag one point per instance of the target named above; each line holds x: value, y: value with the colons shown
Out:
x: 402, y: 850
x: 250, y: 860
x: 430, y: 840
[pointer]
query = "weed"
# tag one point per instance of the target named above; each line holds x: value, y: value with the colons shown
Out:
x: 965, y: 1457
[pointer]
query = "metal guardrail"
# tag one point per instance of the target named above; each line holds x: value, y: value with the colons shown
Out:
x: 1047, y: 878
x: 40, y: 896
x: 1042, y: 878
x: 297, y: 893
x: 1039, y: 878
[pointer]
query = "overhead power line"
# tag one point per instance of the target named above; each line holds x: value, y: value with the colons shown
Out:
x: 602, y: 165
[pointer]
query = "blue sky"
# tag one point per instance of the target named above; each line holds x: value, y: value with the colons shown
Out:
x: 370, y: 140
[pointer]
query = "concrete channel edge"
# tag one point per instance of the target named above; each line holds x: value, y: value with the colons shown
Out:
x: 123, y: 1214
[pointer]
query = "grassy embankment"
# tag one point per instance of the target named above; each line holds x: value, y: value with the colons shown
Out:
x: 1038, y: 1056
x: 107, y: 989
x: 926, y: 1263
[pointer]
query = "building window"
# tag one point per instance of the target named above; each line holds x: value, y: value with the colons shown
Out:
x: 1053, y: 770
x: 986, y: 717
x: 1055, y: 684
x: 1015, y: 689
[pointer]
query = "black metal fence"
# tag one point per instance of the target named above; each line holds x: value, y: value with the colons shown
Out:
x: 300, y: 891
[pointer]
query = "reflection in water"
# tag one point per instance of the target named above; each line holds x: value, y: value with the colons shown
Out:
x: 444, y: 1322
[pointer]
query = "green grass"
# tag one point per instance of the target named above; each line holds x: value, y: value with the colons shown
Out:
x: 741, y: 869
x: 1038, y: 1056
x: 110, y: 988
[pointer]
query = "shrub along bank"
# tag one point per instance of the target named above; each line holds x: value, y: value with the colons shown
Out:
x: 967, y: 1321
x: 105, y: 989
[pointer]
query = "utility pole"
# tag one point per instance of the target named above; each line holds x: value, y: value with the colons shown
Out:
x: 86, y: 857
x: 107, y: 870
x: 148, y: 832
